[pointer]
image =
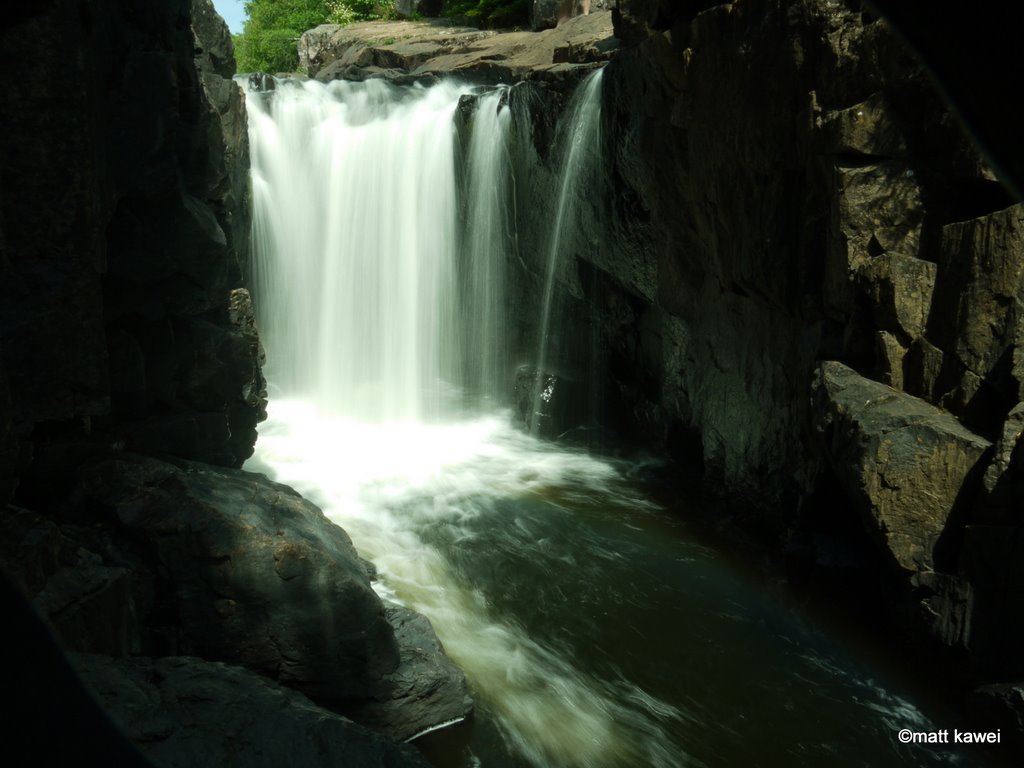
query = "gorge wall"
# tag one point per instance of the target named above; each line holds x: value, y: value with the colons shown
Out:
x: 804, y: 281
x: 813, y: 289
x: 130, y: 390
x: 807, y: 284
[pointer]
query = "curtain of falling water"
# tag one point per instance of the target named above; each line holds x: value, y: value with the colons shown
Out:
x: 486, y: 245
x: 579, y: 147
x: 355, y: 212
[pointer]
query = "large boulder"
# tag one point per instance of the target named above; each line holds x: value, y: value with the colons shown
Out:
x: 547, y: 403
x: 183, y: 712
x: 186, y: 558
x: 902, y: 461
x: 252, y: 573
x: 247, y: 571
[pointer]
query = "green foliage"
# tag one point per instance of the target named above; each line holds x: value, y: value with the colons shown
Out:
x: 489, y: 13
x: 269, y: 40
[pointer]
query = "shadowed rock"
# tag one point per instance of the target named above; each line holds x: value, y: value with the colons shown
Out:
x: 183, y: 712
x: 258, y: 576
x: 903, y: 461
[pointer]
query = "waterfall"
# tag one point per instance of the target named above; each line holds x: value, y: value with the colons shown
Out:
x: 486, y: 244
x: 593, y: 631
x: 579, y: 146
x: 354, y: 248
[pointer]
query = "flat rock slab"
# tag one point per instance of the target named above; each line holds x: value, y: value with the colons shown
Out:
x: 435, y: 48
x: 183, y: 712
x: 902, y: 460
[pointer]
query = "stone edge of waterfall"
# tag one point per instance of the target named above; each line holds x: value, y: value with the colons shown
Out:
x: 403, y: 48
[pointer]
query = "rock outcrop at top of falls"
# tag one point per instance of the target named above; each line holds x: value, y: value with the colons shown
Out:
x: 424, y: 50
x: 127, y: 333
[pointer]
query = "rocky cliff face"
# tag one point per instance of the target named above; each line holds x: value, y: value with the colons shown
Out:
x: 833, y: 323
x: 125, y: 225
x: 126, y: 333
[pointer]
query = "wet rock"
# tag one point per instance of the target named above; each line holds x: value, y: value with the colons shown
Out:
x: 183, y: 711
x: 252, y: 573
x: 549, y: 404
x: 424, y: 692
x: 903, y: 461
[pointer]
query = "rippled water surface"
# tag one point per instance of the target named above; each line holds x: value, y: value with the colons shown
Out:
x: 593, y: 629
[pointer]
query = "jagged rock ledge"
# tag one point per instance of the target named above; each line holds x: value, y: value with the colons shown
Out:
x: 428, y: 49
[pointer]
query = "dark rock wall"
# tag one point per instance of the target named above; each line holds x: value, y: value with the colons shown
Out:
x: 125, y: 219
x: 790, y: 189
x: 126, y: 333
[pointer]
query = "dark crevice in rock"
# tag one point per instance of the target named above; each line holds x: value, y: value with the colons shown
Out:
x: 857, y: 159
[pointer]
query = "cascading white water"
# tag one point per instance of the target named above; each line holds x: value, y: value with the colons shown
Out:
x: 355, y: 246
x: 579, y: 145
x: 485, y: 246
x: 355, y: 213
x: 593, y: 633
